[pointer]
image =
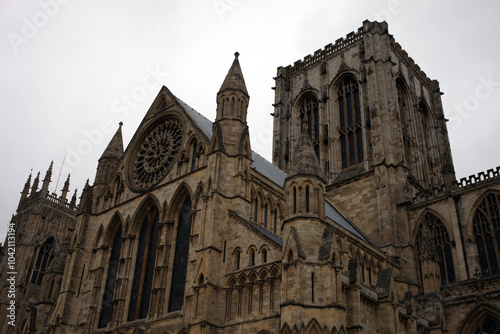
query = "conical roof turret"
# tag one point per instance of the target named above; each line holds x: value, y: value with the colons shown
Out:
x: 304, y: 161
x: 234, y: 79
x: 114, y: 150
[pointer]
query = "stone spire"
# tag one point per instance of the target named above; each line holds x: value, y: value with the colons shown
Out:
x: 65, y: 190
x: 34, y: 187
x: 73, y: 200
x: 304, y: 161
x: 26, y: 190
x: 230, y: 127
x: 46, y: 179
x: 234, y: 79
x: 110, y: 158
x: 114, y: 150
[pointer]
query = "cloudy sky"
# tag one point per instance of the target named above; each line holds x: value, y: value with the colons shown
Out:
x: 71, y: 70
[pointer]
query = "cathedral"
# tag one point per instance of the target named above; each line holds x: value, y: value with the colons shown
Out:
x: 358, y: 225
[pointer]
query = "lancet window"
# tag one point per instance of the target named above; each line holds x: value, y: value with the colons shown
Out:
x: 486, y: 225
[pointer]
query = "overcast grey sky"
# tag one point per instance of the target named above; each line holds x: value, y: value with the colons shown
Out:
x: 71, y: 70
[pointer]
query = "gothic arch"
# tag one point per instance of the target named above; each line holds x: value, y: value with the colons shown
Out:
x: 146, y: 228
x: 434, y: 246
x: 286, y: 329
x: 477, y: 203
x: 421, y: 218
x: 313, y: 327
x: 146, y: 202
x: 477, y: 318
x: 486, y: 231
x: 114, y: 223
x: 346, y: 115
x: 99, y: 238
x: 180, y: 195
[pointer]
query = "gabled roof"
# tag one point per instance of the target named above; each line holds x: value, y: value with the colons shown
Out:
x: 258, y: 229
x: 274, y: 174
x: 334, y: 215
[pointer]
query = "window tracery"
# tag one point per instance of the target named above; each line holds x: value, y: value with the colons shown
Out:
x: 351, y: 133
x: 486, y: 225
x: 434, y: 244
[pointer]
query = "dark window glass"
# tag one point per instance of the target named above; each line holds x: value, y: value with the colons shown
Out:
x: 193, y: 157
x: 487, y: 233
x: 44, y: 258
x: 265, y: 215
x: 144, y: 266
x: 307, y: 199
x: 256, y: 210
x: 107, y: 299
x: 351, y: 135
x: 433, y: 242
x: 309, y: 109
x: 181, y: 258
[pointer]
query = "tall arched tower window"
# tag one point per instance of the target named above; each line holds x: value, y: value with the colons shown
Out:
x: 181, y: 258
x: 433, y: 244
x: 309, y: 111
x: 351, y: 133
x: 404, y: 112
x: 107, y: 299
x: 43, y: 259
x: 193, y: 155
x: 144, y: 266
x: 487, y: 233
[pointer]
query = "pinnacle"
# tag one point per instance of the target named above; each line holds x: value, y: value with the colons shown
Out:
x: 234, y: 79
x: 114, y: 150
x: 305, y: 161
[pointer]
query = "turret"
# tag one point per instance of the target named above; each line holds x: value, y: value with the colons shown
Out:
x: 46, y: 179
x: 65, y: 190
x: 34, y: 187
x: 26, y: 190
x: 110, y: 158
x: 230, y: 127
x: 304, y: 183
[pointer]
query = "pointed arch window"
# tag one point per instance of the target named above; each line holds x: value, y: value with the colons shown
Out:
x: 45, y: 256
x: 275, y: 220
x: 434, y: 244
x: 179, y: 270
x: 486, y: 225
x: 193, y: 155
x: 309, y: 111
x: 307, y: 198
x: 351, y: 133
x: 404, y: 112
x: 265, y: 215
x: 109, y: 287
x: 144, y: 266
x: 237, y: 258
x: 256, y: 209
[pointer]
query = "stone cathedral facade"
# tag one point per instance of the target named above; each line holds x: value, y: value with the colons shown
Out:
x: 357, y: 226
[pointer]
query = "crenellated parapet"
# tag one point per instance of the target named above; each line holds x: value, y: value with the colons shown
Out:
x: 479, y: 177
x: 409, y: 60
x: 321, y: 54
x: 28, y: 197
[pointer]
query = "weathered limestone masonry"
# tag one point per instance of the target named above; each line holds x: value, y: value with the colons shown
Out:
x: 359, y: 226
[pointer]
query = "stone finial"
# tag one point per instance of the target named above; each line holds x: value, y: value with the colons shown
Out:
x: 65, y: 190
x: 34, y: 187
x: 48, y: 176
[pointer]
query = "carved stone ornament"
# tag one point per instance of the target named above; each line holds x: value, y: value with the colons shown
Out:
x: 155, y: 156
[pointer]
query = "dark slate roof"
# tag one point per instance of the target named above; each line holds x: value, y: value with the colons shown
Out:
x: 260, y: 164
x: 273, y: 173
x: 334, y: 215
x: 268, y: 234
x: 203, y: 123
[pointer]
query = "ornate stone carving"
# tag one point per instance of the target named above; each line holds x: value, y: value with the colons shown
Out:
x: 155, y: 156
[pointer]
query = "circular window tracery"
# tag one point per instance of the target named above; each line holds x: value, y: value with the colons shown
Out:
x: 155, y: 156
